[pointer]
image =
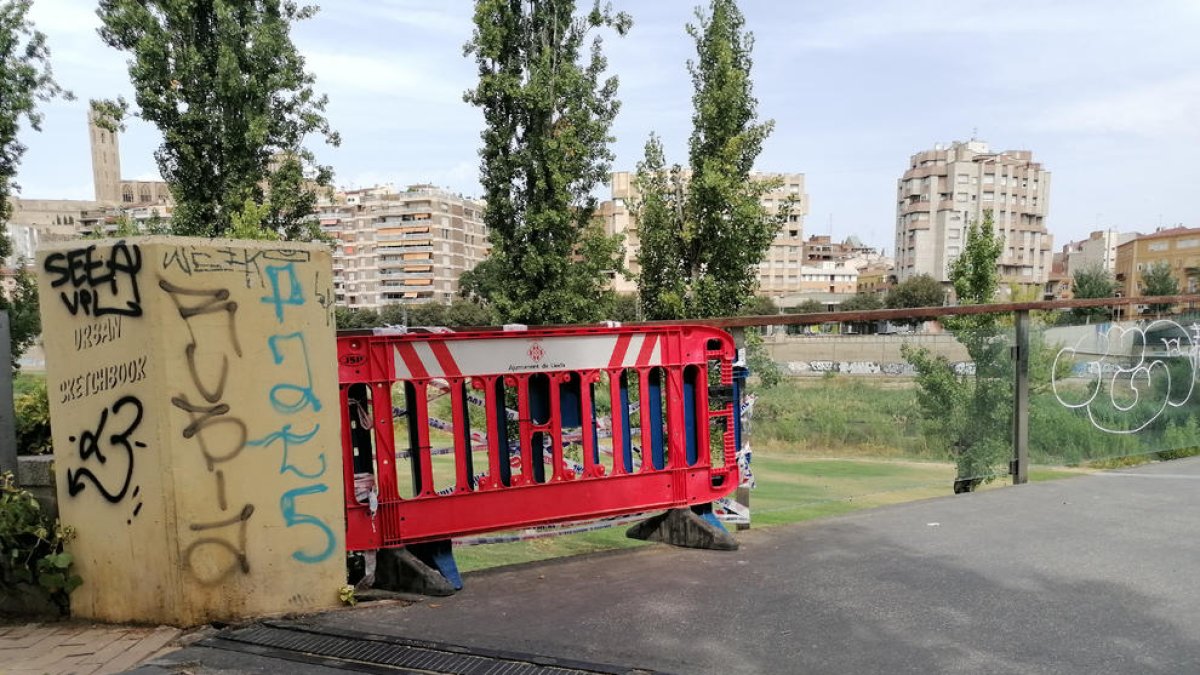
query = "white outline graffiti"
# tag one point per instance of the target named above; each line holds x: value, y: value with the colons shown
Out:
x: 1124, y: 366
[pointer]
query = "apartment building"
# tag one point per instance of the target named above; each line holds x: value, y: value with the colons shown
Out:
x: 947, y: 188
x: 1179, y: 247
x: 779, y: 273
x: 409, y: 246
x: 1098, y: 250
x: 876, y: 277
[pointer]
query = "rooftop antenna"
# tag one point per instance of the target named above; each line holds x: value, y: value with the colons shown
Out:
x: 974, y: 133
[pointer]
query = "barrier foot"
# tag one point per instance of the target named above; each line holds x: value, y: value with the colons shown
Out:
x: 426, y: 569
x: 697, y: 527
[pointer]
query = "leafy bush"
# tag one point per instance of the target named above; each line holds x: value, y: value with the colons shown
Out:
x: 32, y: 411
x: 32, y: 560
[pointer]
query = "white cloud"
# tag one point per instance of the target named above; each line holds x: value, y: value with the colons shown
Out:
x: 460, y: 177
x: 395, y: 74
x: 1167, y: 108
x: 861, y: 27
x: 427, y: 16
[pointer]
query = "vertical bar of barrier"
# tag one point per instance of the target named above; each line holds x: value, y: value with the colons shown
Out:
x: 558, y: 471
x: 1020, y: 462
x: 419, y: 404
x: 499, y: 467
x: 463, y: 466
x: 588, y: 437
x: 690, y: 375
x: 652, y: 418
x: 624, y: 459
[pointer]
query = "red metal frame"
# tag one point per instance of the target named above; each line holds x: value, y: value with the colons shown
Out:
x: 480, y: 360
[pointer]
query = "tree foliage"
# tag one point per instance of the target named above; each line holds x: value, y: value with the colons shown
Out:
x: 25, y: 81
x: 809, y: 306
x: 1092, y: 281
x: 921, y: 290
x: 703, y: 231
x: 547, y: 110
x: 970, y: 413
x: 862, y: 302
x: 226, y: 86
x: 24, y: 318
x: 1157, y: 279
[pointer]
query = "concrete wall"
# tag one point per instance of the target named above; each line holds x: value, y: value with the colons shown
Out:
x: 196, y: 428
x: 879, y: 349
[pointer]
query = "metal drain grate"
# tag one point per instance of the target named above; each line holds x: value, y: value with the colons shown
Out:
x: 365, y: 652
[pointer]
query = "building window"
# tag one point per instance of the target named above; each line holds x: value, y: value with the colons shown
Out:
x: 960, y: 197
x: 963, y: 178
x: 989, y: 196
x: 127, y: 194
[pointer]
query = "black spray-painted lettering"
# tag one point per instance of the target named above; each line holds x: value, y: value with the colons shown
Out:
x: 99, y: 284
x: 94, y: 443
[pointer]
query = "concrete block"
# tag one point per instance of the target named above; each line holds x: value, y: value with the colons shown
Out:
x: 35, y: 471
x: 194, y: 407
x: 398, y: 569
x: 684, y: 527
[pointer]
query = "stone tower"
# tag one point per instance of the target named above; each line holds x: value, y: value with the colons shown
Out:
x: 106, y: 162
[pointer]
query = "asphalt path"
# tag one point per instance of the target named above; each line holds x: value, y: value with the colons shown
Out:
x: 1087, y: 575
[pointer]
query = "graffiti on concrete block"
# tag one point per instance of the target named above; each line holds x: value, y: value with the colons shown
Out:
x: 219, y: 434
x: 1132, y: 376
x: 98, y: 283
x: 194, y: 261
x: 110, y: 438
x: 207, y: 572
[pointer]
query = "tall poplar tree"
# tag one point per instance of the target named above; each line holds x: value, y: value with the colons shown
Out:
x: 547, y: 110
x: 703, y: 231
x: 25, y: 80
x: 226, y: 86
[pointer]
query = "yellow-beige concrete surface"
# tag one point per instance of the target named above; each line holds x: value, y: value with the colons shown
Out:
x: 193, y: 398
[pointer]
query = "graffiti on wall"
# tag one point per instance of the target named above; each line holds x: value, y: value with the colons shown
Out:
x: 290, y: 394
x: 1131, y: 377
x: 214, y: 429
x: 97, y: 282
x: 99, y: 288
x: 111, y: 438
x: 196, y: 261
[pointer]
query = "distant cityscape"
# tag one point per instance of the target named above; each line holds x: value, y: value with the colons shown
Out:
x: 413, y: 244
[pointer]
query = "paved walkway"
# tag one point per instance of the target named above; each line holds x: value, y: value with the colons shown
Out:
x: 79, y: 648
x: 1082, y: 576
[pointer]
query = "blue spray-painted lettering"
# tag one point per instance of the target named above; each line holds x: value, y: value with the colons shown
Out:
x: 295, y: 294
x: 305, y: 392
x: 287, y: 504
x: 289, y: 439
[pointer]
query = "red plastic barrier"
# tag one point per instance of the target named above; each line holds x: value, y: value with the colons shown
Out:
x: 649, y: 385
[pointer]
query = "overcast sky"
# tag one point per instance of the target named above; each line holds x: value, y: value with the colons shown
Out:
x: 1105, y: 93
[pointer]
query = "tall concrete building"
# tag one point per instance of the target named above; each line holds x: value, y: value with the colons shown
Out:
x: 1098, y: 250
x: 778, y: 273
x: 949, y: 187
x: 406, y: 246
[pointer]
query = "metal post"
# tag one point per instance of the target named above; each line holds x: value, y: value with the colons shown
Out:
x: 1020, y: 462
x: 8, y: 428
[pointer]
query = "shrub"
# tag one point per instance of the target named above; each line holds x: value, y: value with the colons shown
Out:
x: 32, y: 411
x: 32, y: 560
